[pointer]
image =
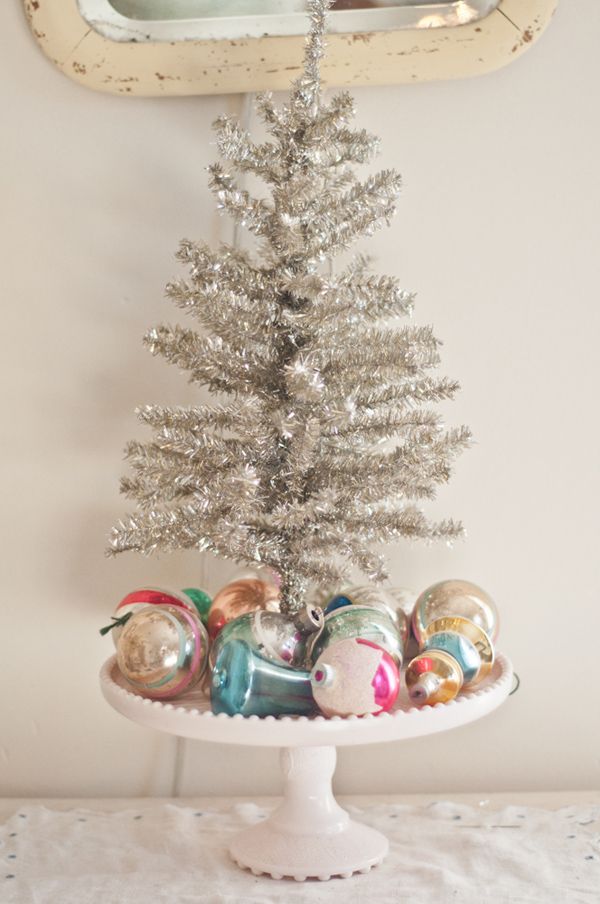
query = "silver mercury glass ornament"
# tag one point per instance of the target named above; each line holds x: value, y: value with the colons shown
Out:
x: 162, y: 651
x: 283, y: 639
x: 455, y: 599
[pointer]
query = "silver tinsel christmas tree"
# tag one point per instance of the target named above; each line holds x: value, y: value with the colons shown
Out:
x: 322, y: 443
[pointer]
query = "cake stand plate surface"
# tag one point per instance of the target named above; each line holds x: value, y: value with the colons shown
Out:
x: 309, y: 835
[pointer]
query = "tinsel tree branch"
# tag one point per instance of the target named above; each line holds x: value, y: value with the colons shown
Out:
x: 323, y: 441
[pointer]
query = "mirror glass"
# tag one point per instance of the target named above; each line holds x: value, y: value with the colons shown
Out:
x: 176, y: 20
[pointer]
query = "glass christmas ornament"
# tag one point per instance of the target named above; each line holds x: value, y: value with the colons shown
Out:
x: 163, y: 651
x: 281, y: 638
x: 455, y: 653
x: 396, y: 602
x: 359, y: 621
x: 466, y: 642
x: 201, y: 600
x: 404, y: 600
x: 246, y: 683
x: 354, y: 677
x: 238, y: 598
x: 433, y: 677
x: 146, y: 596
x: 455, y: 598
x: 363, y: 595
x: 262, y: 573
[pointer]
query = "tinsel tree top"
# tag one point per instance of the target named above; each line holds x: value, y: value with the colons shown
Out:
x: 322, y: 441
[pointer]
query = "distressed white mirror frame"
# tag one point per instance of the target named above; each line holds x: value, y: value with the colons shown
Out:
x: 89, y: 53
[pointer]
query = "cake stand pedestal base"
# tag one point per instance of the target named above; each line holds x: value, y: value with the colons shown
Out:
x: 309, y: 835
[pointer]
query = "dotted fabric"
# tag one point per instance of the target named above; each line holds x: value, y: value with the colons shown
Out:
x: 442, y: 853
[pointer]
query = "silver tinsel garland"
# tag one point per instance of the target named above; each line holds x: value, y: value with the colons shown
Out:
x: 292, y: 471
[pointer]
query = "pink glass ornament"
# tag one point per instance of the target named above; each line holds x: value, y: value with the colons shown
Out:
x: 354, y: 677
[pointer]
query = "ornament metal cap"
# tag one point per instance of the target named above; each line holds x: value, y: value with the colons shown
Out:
x: 436, y: 676
x: 310, y: 619
x: 424, y: 687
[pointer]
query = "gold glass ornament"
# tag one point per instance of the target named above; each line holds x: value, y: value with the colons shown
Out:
x: 162, y: 651
x: 455, y: 598
x: 455, y: 653
x: 238, y: 598
x: 433, y: 677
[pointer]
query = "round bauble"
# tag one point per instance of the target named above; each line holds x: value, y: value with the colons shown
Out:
x: 162, y: 651
x: 353, y: 678
x: 371, y: 624
x: 396, y: 602
x: 259, y: 573
x: 147, y: 596
x: 201, y: 600
x: 363, y: 595
x: 239, y: 597
x: 455, y: 598
x: 404, y: 600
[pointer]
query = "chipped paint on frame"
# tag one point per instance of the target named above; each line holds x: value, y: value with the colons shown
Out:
x: 151, y: 69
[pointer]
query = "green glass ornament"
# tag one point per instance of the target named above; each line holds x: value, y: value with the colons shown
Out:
x: 201, y: 600
x: 359, y: 621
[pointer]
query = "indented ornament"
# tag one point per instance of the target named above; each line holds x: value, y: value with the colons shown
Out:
x: 201, y: 600
x: 245, y: 683
x: 456, y: 653
x: 281, y: 638
x: 238, y: 598
x: 163, y: 651
x: 455, y: 598
x: 146, y: 596
x: 352, y: 621
x: 355, y: 677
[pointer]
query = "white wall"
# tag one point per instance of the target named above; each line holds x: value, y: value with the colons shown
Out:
x: 497, y: 230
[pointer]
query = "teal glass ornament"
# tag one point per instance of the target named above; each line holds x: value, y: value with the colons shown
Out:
x: 460, y: 648
x: 246, y: 683
x: 283, y: 639
x: 359, y: 621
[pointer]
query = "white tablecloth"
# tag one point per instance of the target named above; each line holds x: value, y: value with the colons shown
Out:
x: 163, y: 852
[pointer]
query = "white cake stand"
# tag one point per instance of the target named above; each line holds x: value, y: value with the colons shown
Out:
x: 309, y: 835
